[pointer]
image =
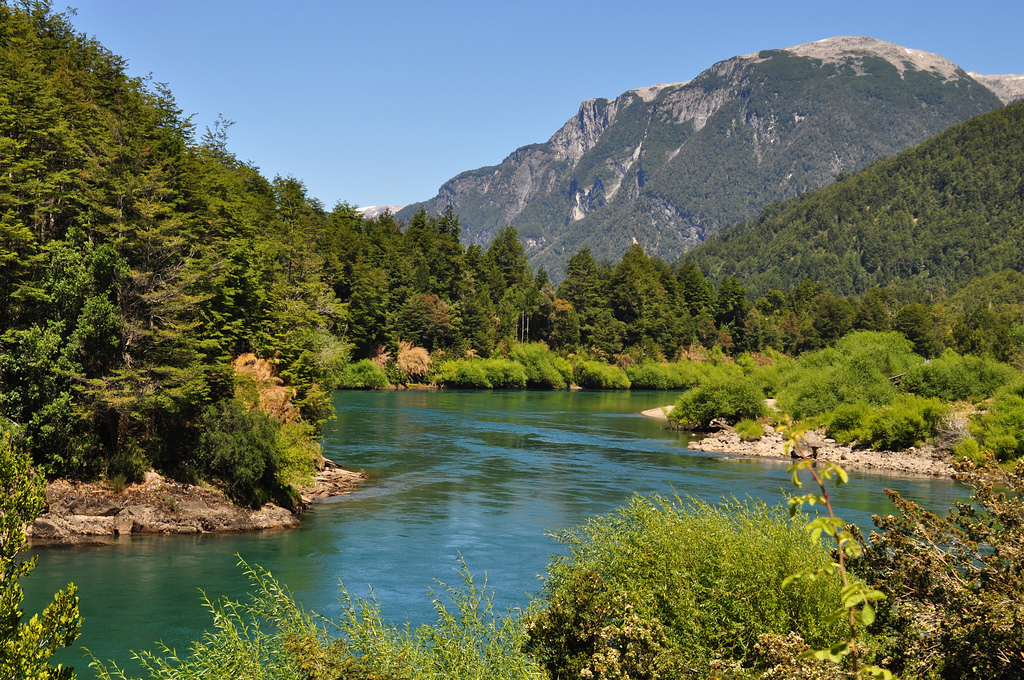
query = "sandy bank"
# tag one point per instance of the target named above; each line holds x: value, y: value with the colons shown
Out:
x: 923, y: 461
x: 87, y: 514
x: 661, y: 412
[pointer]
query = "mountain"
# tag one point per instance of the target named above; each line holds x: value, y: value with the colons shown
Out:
x: 371, y: 211
x: 938, y: 215
x: 669, y: 165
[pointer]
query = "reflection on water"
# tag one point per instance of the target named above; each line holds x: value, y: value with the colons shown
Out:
x: 484, y: 474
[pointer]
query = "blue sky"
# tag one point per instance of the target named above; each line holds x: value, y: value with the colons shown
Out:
x: 381, y: 102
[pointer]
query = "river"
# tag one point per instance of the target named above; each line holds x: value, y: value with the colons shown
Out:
x: 478, y: 473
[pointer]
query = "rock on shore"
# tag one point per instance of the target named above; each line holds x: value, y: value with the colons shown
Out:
x: 80, y: 513
x: 922, y: 461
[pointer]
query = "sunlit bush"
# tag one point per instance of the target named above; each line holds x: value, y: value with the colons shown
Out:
x: 952, y: 377
x: 749, y: 429
x: 729, y: 398
x: 858, y: 368
x: 543, y: 367
x: 363, y: 374
x: 908, y: 421
x: 662, y: 585
x: 599, y: 375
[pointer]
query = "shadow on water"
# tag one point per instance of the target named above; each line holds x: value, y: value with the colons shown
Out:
x: 484, y: 474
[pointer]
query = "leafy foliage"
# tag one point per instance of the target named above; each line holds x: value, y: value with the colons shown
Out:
x: 729, y: 399
x: 271, y: 636
x: 953, y: 586
x: 26, y: 646
x: 663, y: 585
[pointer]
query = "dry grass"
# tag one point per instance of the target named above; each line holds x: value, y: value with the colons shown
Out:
x: 379, y: 355
x: 413, y: 361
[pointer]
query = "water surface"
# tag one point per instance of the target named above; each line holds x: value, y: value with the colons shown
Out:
x: 478, y: 473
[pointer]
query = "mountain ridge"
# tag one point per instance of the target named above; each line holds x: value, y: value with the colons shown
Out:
x: 782, y: 122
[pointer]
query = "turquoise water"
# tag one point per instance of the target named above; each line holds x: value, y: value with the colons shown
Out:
x: 484, y: 474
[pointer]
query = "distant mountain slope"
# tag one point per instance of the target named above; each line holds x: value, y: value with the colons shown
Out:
x: 669, y: 165
x: 940, y: 214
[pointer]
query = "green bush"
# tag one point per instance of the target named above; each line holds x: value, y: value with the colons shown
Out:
x: 363, y: 375
x: 952, y: 377
x: 969, y: 449
x: 504, y: 373
x: 732, y: 399
x: 543, y: 367
x: 649, y: 376
x: 299, y: 454
x: 271, y: 636
x: 653, y: 375
x: 465, y: 373
x: 240, y: 448
x: 906, y: 422
x: 599, y: 375
x: 749, y: 429
x: 844, y: 424
x: 496, y: 372
x: 955, y: 596
x: 1002, y: 426
x: 858, y: 368
x: 661, y: 585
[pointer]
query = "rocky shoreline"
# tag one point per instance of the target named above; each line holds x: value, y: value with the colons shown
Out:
x: 914, y: 461
x: 82, y: 513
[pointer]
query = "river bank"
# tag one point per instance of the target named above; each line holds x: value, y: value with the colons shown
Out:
x: 916, y: 461
x: 80, y: 513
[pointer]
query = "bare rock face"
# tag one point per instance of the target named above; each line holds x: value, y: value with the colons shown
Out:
x: 332, y: 480
x: 81, y: 513
x: 1009, y: 87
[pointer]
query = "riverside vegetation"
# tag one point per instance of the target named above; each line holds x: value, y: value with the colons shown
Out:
x: 137, y: 262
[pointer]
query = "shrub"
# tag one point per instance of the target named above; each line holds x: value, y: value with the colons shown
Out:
x: 749, y: 429
x: 271, y: 636
x: 844, y: 424
x: 969, y: 449
x: 26, y: 645
x: 906, y: 422
x: 240, y: 448
x: 731, y: 399
x: 952, y: 377
x: 504, y: 373
x: 543, y: 367
x: 662, y: 584
x: 1002, y: 426
x: 496, y: 372
x: 858, y: 368
x: 599, y: 375
x: 299, y: 454
x: 363, y: 374
x: 466, y: 373
x: 955, y: 596
x: 652, y: 375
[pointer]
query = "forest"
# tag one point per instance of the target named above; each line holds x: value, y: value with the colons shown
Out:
x: 140, y: 259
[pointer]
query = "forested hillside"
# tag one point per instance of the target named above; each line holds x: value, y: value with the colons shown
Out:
x: 937, y: 215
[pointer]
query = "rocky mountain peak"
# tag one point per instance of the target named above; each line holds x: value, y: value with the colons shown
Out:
x: 1009, y: 87
x: 843, y: 48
